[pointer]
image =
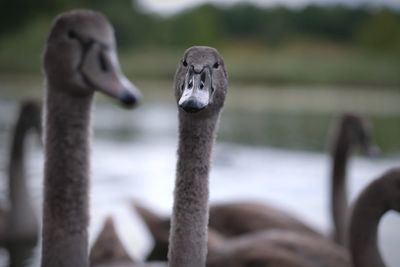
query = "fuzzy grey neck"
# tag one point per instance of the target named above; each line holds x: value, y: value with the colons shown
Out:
x: 188, y: 236
x: 339, y: 203
x: 22, y: 224
x: 364, y: 229
x: 65, y: 211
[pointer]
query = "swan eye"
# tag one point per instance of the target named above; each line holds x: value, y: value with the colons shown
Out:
x: 102, y: 62
x: 184, y: 63
x: 72, y: 34
x: 216, y: 65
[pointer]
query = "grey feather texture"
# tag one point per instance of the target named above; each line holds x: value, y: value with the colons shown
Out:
x: 73, y: 69
x: 197, y: 132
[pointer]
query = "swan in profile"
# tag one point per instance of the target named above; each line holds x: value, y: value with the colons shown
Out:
x: 79, y: 59
x: 379, y: 197
x: 352, y: 130
x: 19, y: 228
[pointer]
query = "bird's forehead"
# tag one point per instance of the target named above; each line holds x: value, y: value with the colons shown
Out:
x: 87, y: 26
x: 201, y: 56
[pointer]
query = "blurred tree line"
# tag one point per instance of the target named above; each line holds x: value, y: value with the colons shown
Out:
x: 377, y: 29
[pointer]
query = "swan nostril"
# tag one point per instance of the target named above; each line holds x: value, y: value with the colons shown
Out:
x: 203, y: 76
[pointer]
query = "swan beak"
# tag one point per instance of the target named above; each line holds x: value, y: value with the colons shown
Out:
x: 196, y: 93
x: 101, y: 71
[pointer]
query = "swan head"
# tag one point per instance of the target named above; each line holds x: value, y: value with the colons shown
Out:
x: 356, y: 130
x: 362, y: 130
x: 80, y: 57
x: 201, y: 80
x: 31, y: 115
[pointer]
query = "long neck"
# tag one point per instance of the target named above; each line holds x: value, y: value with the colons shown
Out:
x: 338, y: 187
x: 364, y: 229
x: 66, y: 181
x: 188, y: 237
x: 22, y: 221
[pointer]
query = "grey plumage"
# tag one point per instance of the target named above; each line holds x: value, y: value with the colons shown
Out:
x: 197, y: 132
x: 19, y: 227
x: 108, y: 249
x: 379, y: 197
x: 278, y: 248
x: 352, y: 131
x: 73, y: 73
x: 188, y: 235
x: 238, y: 218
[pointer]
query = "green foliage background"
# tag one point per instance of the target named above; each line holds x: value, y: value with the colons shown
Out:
x: 313, y: 44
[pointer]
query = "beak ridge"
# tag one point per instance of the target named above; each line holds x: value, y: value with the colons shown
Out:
x: 107, y: 77
x: 196, y: 92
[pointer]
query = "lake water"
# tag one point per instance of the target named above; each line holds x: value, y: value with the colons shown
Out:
x: 272, y: 147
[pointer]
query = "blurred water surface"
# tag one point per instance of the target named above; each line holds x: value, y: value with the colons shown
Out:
x: 272, y: 147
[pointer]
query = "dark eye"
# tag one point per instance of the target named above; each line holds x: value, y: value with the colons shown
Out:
x: 184, y: 63
x: 102, y: 62
x: 72, y: 34
x: 216, y: 65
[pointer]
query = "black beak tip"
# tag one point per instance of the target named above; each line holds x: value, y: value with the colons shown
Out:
x: 129, y: 99
x: 191, y: 106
